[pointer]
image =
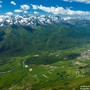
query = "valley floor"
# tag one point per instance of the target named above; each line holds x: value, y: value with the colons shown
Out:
x: 60, y: 70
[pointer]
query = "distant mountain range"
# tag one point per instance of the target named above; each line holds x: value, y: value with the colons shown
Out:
x: 34, y: 20
x: 36, y: 33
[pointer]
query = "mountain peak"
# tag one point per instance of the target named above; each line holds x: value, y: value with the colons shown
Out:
x: 34, y: 20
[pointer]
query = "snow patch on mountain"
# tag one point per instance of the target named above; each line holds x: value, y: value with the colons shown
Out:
x: 34, y: 20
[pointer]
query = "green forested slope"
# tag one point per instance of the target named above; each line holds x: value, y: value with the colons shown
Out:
x: 51, y: 37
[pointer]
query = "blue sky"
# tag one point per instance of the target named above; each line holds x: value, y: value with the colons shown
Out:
x: 62, y: 7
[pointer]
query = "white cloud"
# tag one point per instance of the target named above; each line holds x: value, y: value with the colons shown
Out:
x: 25, y: 11
x: 9, y: 13
x: 18, y: 10
x: 1, y: 19
x: 25, y: 7
x: 35, y: 12
x: 34, y: 6
x: 81, y: 1
x: 60, y: 10
x: 13, y: 3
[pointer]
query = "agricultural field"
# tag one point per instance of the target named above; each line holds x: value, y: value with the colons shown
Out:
x: 58, y: 70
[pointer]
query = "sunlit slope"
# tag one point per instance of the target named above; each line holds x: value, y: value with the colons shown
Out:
x: 49, y: 37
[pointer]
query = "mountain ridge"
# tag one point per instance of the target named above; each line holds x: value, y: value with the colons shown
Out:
x: 34, y: 20
x: 43, y: 37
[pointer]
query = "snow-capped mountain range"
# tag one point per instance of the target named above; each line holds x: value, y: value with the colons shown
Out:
x: 34, y: 20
